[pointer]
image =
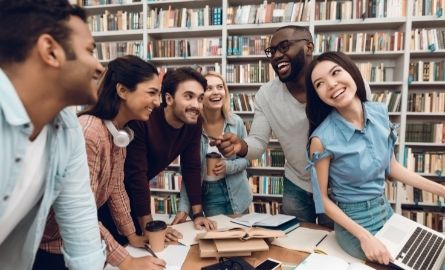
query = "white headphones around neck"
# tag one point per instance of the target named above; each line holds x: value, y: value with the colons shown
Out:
x: 121, y: 138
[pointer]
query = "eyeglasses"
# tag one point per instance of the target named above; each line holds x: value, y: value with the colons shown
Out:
x: 282, y: 47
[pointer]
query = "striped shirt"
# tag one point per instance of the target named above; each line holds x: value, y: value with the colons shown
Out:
x: 106, y: 164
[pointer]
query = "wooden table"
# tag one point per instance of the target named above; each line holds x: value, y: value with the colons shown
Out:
x: 286, y: 256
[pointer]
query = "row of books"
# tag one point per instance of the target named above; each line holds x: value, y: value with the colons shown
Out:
x: 110, y: 50
x: 426, y: 102
x: 248, y: 125
x: 269, y: 207
x: 185, y: 47
x: 160, y: 18
x: 260, y: 72
x: 167, y: 180
x: 359, y: 42
x: 88, y: 3
x: 270, y: 158
x: 242, y: 102
x: 425, y: 132
x: 269, y: 13
x: 373, y: 72
x: 390, y: 98
x: 121, y: 20
x: 425, y: 161
x: 247, y: 45
x: 425, y: 71
x: 203, y: 68
x: 358, y: 9
x: 428, y: 7
x: 266, y: 185
x: 433, y: 220
x: 428, y: 39
x: 167, y: 204
x: 412, y: 196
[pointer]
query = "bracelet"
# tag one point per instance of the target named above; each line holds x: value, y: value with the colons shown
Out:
x: 197, y: 215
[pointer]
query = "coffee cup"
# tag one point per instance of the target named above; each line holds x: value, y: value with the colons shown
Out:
x: 212, y: 159
x: 155, y: 230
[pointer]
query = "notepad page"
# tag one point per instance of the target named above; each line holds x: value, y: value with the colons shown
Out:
x: 301, y: 239
x: 318, y: 261
x: 330, y: 246
x: 173, y: 255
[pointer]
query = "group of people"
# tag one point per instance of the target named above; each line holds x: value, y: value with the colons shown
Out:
x: 75, y: 189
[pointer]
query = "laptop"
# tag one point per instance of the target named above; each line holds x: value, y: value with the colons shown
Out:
x: 412, y: 245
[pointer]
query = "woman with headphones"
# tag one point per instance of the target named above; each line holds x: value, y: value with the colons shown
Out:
x: 129, y: 90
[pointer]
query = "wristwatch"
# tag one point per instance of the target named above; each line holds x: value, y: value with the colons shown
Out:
x: 199, y: 214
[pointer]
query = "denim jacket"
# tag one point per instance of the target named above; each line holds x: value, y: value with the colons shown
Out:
x: 238, y: 187
x: 66, y: 188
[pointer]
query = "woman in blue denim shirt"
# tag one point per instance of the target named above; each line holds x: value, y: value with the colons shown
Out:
x: 351, y: 148
x: 228, y: 192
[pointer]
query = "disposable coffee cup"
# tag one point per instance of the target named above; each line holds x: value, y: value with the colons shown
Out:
x: 212, y: 159
x: 155, y: 230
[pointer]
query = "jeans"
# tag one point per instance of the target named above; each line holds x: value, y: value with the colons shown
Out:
x: 48, y: 261
x: 215, y: 199
x: 371, y: 215
x: 299, y: 203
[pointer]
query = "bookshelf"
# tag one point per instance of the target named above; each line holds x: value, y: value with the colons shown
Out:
x: 399, y: 46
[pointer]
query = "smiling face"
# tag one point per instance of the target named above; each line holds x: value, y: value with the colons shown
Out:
x: 215, y: 96
x: 187, y: 102
x: 79, y: 76
x: 333, y: 84
x: 140, y: 103
x: 288, y: 65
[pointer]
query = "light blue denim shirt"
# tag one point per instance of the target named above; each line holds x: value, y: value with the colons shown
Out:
x: 360, y: 159
x: 66, y: 188
x: 238, y: 187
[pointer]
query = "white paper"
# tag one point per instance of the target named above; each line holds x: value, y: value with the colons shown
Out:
x: 173, y: 255
x: 319, y: 261
x: 301, y: 239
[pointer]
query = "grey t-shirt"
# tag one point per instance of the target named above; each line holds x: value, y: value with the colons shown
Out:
x: 278, y: 111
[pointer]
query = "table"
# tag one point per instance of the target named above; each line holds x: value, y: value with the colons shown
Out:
x: 194, y: 262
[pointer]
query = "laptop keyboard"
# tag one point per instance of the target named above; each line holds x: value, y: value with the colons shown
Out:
x: 421, y: 250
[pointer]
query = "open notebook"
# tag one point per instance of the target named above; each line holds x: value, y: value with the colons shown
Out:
x: 174, y: 255
x: 320, y: 261
x: 314, y: 241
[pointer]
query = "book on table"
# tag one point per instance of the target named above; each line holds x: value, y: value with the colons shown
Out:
x: 281, y: 222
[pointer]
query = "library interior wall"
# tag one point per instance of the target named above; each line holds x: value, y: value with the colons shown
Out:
x: 399, y: 45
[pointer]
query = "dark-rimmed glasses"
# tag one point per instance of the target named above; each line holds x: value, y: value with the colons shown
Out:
x: 282, y: 47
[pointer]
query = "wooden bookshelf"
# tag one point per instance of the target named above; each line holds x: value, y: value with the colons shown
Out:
x: 406, y: 20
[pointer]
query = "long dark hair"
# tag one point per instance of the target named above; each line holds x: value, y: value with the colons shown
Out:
x: 128, y: 70
x: 316, y: 109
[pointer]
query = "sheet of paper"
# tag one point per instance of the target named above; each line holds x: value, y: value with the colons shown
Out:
x: 331, y: 247
x: 189, y: 232
x: 174, y: 255
x: 319, y: 261
x: 301, y: 239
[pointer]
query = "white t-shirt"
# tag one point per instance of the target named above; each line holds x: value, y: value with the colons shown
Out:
x: 29, y: 187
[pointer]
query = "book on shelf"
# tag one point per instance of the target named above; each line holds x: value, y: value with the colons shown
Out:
x: 321, y: 261
x: 164, y: 18
x: 269, y: 207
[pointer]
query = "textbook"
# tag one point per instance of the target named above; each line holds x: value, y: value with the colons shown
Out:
x: 263, y: 220
x: 320, y: 261
x: 314, y: 241
x: 240, y: 233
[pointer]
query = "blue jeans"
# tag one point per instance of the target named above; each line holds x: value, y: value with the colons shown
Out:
x: 299, y: 203
x: 216, y: 198
x: 371, y: 215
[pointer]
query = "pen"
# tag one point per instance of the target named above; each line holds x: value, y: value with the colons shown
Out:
x: 147, y: 248
x: 321, y: 240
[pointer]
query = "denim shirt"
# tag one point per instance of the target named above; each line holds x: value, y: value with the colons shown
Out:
x: 238, y: 187
x: 66, y: 188
x: 360, y: 159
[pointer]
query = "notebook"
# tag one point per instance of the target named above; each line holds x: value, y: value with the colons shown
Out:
x: 241, y: 234
x: 262, y: 219
x: 173, y: 255
x: 319, y: 261
x: 312, y: 240
x: 412, y: 245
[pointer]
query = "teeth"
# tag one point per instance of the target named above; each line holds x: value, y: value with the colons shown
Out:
x: 336, y: 94
x: 282, y: 64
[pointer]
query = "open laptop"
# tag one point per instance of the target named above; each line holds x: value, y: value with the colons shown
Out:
x: 412, y: 245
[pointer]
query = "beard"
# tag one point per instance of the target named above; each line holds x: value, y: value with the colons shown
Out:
x: 297, y: 66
